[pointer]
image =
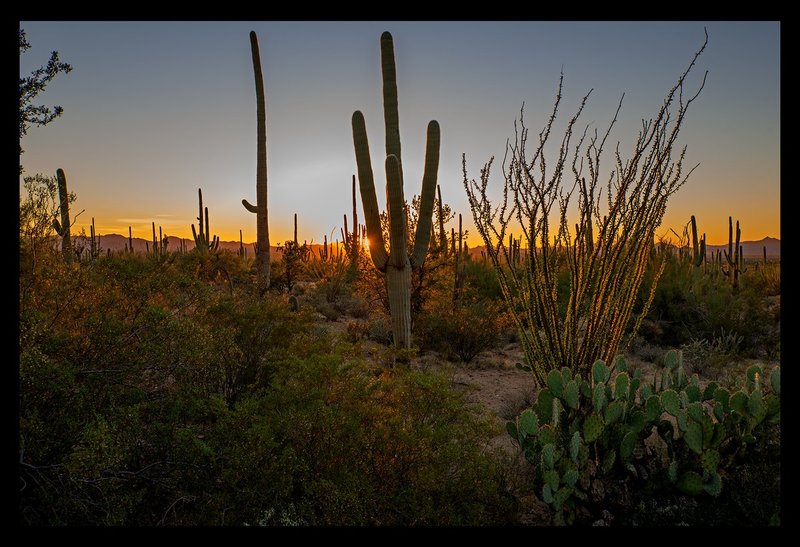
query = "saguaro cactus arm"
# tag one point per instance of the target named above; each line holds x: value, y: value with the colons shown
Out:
x: 366, y: 184
x: 391, y: 116
x: 424, y: 224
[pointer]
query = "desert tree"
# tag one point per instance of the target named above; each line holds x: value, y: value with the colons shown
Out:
x: 30, y: 86
x: 607, y: 249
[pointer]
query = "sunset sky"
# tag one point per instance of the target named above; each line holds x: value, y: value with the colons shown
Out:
x: 152, y: 111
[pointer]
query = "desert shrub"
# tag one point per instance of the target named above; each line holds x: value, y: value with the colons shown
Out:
x: 150, y: 396
x: 353, y: 305
x: 356, y: 450
x: 462, y: 330
x: 357, y: 330
x: 645, y: 351
x: 480, y: 275
x: 105, y: 344
x: 586, y: 437
x: 379, y: 329
x: 687, y: 309
x: 706, y: 356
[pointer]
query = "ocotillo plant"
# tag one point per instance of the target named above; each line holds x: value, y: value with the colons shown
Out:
x: 203, y: 241
x: 604, y: 279
x: 396, y: 263
x: 260, y: 208
x: 130, y: 240
x: 241, y: 246
x: 459, y: 265
x: 62, y: 228
x: 441, y: 219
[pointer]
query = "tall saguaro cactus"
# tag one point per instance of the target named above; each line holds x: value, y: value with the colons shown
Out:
x: 204, y: 242
x: 260, y: 208
x: 396, y: 263
x: 62, y: 228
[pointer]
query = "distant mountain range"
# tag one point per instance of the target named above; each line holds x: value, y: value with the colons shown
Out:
x: 115, y: 242
x: 754, y: 249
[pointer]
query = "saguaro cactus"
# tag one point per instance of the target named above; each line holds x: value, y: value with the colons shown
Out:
x: 94, y: 242
x: 698, y: 251
x: 352, y: 240
x: 203, y: 241
x: 156, y: 248
x: 396, y: 263
x: 260, y: 208
x: 733, y: 256
x: 62, y: 228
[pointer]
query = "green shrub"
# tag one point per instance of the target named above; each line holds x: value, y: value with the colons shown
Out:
x: 462, y: 330
x: 151, y: 396
x: 379, y: 329
x: 689, y: 307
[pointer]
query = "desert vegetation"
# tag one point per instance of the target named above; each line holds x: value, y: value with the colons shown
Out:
x: 311, y: 384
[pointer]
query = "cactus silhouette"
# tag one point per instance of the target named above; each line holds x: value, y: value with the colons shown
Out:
x: 62, y: 228
x: 203, y: 241
x: 396, y: 263
x: 260, y: 208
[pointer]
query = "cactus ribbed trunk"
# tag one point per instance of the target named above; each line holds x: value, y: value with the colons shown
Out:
x: 398, y: 284
x: 260, y: 209
x: 63, y: 229
x: 442, y: 233
x: 399, y: 260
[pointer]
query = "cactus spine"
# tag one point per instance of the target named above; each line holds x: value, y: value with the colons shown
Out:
x: 397, y: 262
x: 260, y: 209
x: 62, y: 228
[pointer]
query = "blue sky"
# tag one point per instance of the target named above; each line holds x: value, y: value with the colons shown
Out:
x: 152, y: 111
